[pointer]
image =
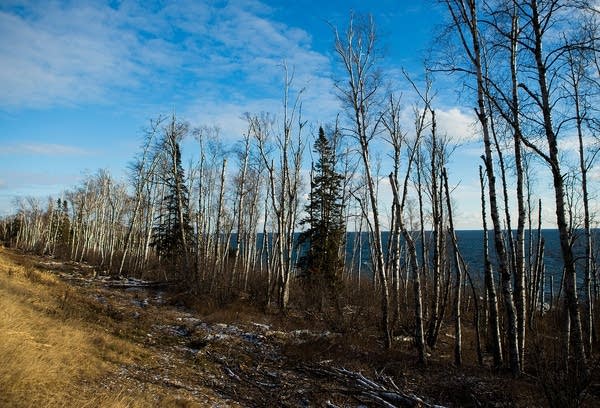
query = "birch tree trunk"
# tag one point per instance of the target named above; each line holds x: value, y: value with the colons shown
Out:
x: 576, y: 76
x: 519, y: 255
x: 396, y: 139
x: 436, y: 212
x: 241, y: 193
x: 465, y: 16
x: 419, y: 335
x: 539, y: 24
x: 459, y: 276
x: 490, y: 285
x: 141, y: 170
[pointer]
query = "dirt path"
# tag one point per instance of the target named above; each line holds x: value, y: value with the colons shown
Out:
x: 246, y: 363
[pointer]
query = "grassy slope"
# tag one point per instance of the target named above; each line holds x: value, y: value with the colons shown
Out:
x: 57, y: 348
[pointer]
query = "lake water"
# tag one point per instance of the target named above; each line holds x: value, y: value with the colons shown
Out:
x: 470, y: 243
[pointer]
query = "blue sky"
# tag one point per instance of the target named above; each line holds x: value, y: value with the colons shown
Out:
x: 81, y: 79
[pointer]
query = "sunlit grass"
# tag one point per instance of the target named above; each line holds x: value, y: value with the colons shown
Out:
x: 55, y: 353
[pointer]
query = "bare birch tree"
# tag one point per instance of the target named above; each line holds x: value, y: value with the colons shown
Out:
x: 545, y: 55
x: 284, y: 181
x: 465, y: 16
x: 359, y: 92
x: 391, y: 121
x: 141, y: 172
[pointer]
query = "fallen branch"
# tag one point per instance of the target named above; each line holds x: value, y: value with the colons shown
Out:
x: 386, y: 395
x: 118, y: 284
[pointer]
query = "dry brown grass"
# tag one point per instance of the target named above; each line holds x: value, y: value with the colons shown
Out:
x: 53, y: 353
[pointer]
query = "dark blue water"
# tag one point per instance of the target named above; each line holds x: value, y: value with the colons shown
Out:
x: 470, y: 243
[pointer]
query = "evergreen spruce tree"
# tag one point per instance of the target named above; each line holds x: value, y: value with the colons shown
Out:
x: 173, y: 233
x: 321, y: 264
x: 63, y: 226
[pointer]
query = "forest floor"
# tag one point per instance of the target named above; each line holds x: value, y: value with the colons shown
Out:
x: 72, y: 337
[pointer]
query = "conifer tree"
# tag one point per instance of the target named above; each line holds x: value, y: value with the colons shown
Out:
x: 321, y: 264
x: 63, y: 225
x: 173, y: 232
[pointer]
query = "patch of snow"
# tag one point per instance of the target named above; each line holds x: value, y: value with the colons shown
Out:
x: 217, y: 337
x: 263, y: 327
x: 190, y: 319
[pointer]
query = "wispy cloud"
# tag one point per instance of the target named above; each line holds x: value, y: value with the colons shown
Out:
x: 43, y: 149
x: 569, y: 143
x: 58, y: 54
x: 33, y: 179
x: 63, y: 53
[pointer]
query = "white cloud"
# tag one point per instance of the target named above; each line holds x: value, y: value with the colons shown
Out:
x: 317, y: 107
x: 184, y: 53
x: 60, y: 55
x: 594, y: 174
x: 45, y: 149
x: 569, y: 143
x: 228, y: 117
x: 457, y: 125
